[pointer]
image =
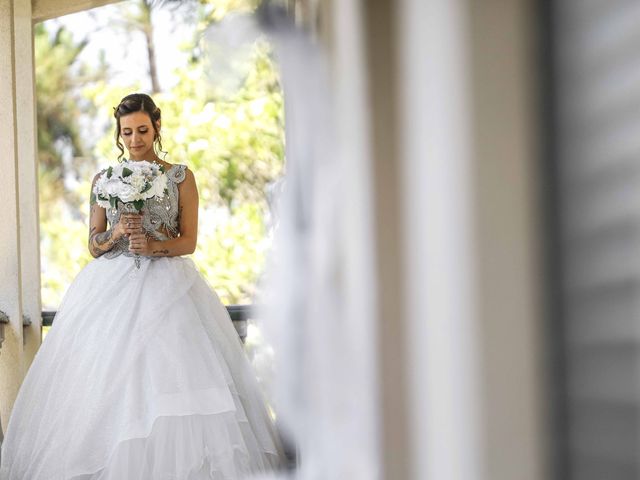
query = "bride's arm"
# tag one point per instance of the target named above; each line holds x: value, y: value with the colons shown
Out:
x: 102, y: 240
x: 185, y: 244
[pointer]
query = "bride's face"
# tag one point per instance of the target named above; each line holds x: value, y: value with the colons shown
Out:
x: 137, y: 134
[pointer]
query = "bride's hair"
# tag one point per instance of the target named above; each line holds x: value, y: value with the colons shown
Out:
x: 138, y: 102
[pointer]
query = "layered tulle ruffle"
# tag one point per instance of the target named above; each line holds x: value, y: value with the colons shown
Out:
x: 142, y: 376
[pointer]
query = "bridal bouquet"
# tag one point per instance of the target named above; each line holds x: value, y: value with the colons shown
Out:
x: 130, y: 183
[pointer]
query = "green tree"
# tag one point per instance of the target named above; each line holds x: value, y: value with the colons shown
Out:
x: 234, y: 143
x: 62, y: 154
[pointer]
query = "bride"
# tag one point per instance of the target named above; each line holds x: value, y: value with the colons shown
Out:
x: 142, y: 375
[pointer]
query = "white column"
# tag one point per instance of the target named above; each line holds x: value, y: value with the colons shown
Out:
x: 391, y: 317
x: 27, y: 179
x: 436, y: 152
x: 509, y: 234
x: 452, y: 117
x: 470, y: 239
x: 342, y: 28
x: 11, y: 361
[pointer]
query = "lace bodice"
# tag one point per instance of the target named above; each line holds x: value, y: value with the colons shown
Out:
x: 160, y: 216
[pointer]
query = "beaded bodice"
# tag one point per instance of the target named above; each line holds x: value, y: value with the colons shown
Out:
x: 160, y: 216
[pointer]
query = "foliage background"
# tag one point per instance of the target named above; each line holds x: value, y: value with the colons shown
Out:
x: 232, y: 140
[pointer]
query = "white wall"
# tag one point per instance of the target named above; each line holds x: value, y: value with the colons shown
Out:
x: 453, y: 115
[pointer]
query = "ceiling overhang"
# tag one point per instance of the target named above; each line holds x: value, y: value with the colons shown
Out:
x: 46, y: 9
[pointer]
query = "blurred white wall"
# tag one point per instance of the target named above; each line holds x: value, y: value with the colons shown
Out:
x: 439, y: 106
x: 450, y: 123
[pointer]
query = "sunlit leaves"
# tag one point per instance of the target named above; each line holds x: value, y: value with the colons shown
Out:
x: 234, y: 143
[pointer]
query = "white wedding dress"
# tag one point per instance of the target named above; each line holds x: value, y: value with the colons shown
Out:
x: 141, y: 377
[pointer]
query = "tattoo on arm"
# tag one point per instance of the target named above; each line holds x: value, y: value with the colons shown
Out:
x: 99, y: 243
x: 165, y: 251
x: 102, y: 238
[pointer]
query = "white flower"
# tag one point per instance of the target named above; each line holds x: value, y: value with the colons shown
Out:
x: 99, y: 185
x: 138, y: 182
x: 117, y: 170
x: 102, y: 203
x: 127, y: 193
x: 158, y: 186
x: 130, y: 188
x: 112, y: 186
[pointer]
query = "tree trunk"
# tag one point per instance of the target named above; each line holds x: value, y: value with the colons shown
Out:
x: 151, y: 49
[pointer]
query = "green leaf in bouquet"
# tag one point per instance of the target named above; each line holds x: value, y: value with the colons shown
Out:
x: 113, y: 201
x: 126, y: 172
x: 103, y: 198
x: 109, y: 172
x: 138, y: 204
x: 146, y: 187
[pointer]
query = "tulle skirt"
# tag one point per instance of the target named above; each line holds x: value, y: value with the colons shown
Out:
x: 142, y: 376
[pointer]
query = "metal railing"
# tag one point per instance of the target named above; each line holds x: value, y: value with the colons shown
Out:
x: 4, y: 319
x: 239, y: 314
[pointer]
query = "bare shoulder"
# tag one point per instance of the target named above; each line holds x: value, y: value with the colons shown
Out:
x: 189, y: 177
x: 189, y: 186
